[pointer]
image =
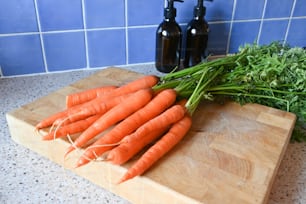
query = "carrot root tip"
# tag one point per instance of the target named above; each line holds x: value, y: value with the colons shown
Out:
x: 70, y: 149
x: 37, y: 132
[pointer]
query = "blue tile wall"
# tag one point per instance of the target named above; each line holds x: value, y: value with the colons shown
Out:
x: 296, y: 36
x: 219, y: 10
x: 40, y: 36
x: 246, y: 10
x: 21, y: 54
x: 144, y: 12
x: 64, y: 50
x: 104, y: 14
x: 25, y: 21
x: 278, y: 8
x: 106, y: 47
x: 141, y: 39
x: 243, y: 32
x: 60, y: 15
x: 273, y: 30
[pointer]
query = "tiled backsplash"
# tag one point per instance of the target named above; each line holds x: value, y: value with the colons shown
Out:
x: 38, y: 36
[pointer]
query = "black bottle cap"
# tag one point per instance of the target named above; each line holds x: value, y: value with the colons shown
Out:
x: 199, y: 10
x: 170, y: 11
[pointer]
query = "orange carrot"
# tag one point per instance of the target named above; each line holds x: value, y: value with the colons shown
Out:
x: 143, y: 134
x: 48, y: 121
x: 157, y: 105
x: 158, y: 150
x: 143, y: 82
x: 87, y: 95
x: 116, y: 114
x: 96, y: 106
x: 71, y: 128
x: 165, y: 119
x: 126, y: 150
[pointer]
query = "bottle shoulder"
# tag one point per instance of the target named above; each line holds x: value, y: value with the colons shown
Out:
x: 198, y: 26
x: 197, y: 23
x: 169, y: 26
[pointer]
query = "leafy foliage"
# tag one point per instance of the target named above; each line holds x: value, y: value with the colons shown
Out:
x: 273, y: 75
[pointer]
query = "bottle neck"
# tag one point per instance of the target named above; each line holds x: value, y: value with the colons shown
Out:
x: 169, y: 19
x: 198, y: 17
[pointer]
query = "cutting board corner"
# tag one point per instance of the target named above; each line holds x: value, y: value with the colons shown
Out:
x: 232, y: 152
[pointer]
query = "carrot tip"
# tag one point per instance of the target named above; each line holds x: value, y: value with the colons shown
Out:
x: 120, y: 181
x: 124, y: 178
x: 70, y: 149
x: 38, y: 126
x: 81, y: 162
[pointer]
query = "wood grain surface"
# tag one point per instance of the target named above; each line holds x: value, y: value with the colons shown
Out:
x: 231, y: 154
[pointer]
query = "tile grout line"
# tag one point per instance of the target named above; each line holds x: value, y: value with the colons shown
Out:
x: 289, y: 22
x: 261, y: 22
x: 85, y: 34
x: 140, y: 26
x: 126, y: 32
x: 41, y: 37
x: 76, y: 69
x: 231, y: 26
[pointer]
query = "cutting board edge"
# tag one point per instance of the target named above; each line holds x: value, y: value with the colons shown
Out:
x: 10, y: 116
x: 151, y: 190
x: 282, y: 153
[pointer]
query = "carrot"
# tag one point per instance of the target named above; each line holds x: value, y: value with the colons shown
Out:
x: 116, y: 114
x: 143, y: 134
x: 126, y: 150
x: 87, y: 95
x: 71, y: 128
x: 96, y: 106
x: 158, y: 150
x: 144, y: 82
x: 48, y: 121
x: 165, y: 119
x: 157, y: 105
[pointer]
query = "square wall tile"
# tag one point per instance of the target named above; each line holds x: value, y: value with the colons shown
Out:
x: 145, y: 12
x: 242, y: 33
x: 299, y: 9
x: 106, y: 47
x: 297, y: 33
x: 60, y: 14
x: 141, y: 45
x: 273, y: 31
x: 184, y: 11
x: 106, y: 13
x: 278, y: 8
x: 17, y: 16
x: 218, y: 38
x: 21, y: 55
x: 220, y: 10
x: 249, y: 9
x: 65, y: 50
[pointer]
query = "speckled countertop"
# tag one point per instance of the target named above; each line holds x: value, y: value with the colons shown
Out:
x: 27, y: 177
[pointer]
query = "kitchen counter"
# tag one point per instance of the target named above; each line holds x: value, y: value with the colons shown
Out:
x: 27, y: 177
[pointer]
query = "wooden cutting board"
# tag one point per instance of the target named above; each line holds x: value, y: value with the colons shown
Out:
x: 231, y: 154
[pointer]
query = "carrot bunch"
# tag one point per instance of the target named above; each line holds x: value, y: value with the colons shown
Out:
x: 124, y: 121
x: 156, y: 112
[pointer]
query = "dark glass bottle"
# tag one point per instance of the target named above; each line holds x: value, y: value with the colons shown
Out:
x: 196, y: 37
x: 168, y: 41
